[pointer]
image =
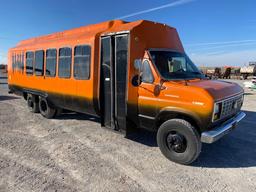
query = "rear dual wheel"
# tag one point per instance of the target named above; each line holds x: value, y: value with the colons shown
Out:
x: 47, y: 110
x: 32, y: 103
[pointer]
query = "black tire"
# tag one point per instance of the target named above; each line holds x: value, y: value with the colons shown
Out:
x: 46, y: 110
x: 33, y: 106
x: 187, y: 136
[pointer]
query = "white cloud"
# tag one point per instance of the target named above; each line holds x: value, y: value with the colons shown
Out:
x: 173, y: 4
x: 222, y: 46
x: 238, y: 58
x: 219, y: 43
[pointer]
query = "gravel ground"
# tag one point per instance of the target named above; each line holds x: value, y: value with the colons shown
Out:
x: 73, y: 153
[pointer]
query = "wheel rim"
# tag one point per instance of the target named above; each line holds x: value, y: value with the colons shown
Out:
x: 176, y: 142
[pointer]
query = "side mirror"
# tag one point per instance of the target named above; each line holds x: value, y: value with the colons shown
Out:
x: 138, y: 64
x: 136, y: 80
x: 159, y: 87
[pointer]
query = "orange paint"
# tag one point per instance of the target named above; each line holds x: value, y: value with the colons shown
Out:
x: 195, y: 97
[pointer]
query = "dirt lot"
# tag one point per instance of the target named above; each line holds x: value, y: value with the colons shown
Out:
x: 73, y: 153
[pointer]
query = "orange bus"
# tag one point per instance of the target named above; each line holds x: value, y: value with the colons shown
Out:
x: 131, y: 75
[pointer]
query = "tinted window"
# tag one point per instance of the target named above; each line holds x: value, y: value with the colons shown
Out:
x: 51, y: 58
x: 29, y: 62
x: 22, y: 62
x: 64, y: 62
x: 82, y: 62
x: 13, y: 62
x: 39, y: 63
x: 17, y: 63
x: 147, y: 75
x: 175, y: 65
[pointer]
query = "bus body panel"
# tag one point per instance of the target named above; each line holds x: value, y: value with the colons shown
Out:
x: 84, y: 95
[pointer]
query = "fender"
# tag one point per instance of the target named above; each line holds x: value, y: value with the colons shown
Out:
x: 181, y: 111
x: 35, y: 92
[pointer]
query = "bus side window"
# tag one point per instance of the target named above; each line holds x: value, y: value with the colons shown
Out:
x: 22, y: 62
x: 13, y: 62
x: 17, y: 62
x: 51, y: 61
x: 20, y: 68
x: 147, y: 76
x: 29, y: 62
x: 82, y: 57
x: 39, y: 63
x: 65, y: 58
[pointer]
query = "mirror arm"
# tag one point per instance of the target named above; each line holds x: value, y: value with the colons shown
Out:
x: 161, y: 84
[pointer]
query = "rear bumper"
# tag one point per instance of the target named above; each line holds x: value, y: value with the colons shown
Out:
x: 218, y: 132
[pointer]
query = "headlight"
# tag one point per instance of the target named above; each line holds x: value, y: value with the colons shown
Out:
x: 216, y: 108
x: 217, y: 111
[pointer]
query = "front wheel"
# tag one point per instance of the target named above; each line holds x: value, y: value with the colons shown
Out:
x: 179, y: 141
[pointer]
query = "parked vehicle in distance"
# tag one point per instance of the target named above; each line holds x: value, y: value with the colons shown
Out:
x: 249, y: 70
x: 3, y: 68
x: 225, y: 72
x: 214, y: 73
x: 131, y: 75
x: 251, y: 84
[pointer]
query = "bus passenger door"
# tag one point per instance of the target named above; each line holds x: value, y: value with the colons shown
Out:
x: 121, y: 69
x: 106, y: 83
x: 114, y: 63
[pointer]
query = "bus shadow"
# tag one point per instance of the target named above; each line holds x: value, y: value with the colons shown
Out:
x: 5, y: 97
x: 143, y: 136
x: 235, y: 150
x: 238, y: 149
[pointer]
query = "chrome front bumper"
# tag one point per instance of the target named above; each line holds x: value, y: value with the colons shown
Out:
x: 218, y: 132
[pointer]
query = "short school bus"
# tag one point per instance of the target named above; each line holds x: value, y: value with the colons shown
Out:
x: 131, y: 75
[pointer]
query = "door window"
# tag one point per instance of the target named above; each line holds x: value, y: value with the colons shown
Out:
x: 147, y: 76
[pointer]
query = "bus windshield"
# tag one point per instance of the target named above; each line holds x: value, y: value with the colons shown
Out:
x: 175, y: 65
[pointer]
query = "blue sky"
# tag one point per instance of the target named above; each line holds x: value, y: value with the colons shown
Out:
x: 214, y: 32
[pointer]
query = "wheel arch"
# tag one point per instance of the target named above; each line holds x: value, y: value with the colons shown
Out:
x: 35, y: 94
x: 171, y: 113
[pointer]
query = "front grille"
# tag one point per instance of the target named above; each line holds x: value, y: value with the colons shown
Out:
x: 231, y: 106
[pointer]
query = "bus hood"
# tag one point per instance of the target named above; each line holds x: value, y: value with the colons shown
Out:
x: 218, y: 89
